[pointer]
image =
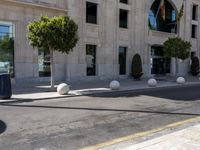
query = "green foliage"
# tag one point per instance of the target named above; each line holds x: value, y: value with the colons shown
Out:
x: 53, y: 34
x: 136, y: 67
x: 195, y: 66
x: 178, y: 48
x: 6, y: 48
x: 57, y: 33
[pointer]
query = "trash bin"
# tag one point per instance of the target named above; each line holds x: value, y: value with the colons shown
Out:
x: 5, y: 86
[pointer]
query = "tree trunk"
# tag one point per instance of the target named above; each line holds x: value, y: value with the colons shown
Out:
x: 52, y: 69
x: 176, y: 61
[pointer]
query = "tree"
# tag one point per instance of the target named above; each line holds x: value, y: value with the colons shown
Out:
x: 195, y: 66
x: 53, y: 34
x: 177, y: 48
x: 137, y: 67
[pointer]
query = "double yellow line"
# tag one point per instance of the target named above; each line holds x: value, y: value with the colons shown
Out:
x: 141, y: 134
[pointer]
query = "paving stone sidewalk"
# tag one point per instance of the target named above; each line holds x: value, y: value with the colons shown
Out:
x: 186, y: 139
x: 38, y: 91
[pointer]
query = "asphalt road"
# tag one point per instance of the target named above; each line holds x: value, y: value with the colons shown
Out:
x: 73, y: 123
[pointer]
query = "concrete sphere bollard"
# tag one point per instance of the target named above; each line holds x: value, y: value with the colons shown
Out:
x: 180, y: 80
x: 63, y: 89
x: 152, y: 82
x: 115, y: 85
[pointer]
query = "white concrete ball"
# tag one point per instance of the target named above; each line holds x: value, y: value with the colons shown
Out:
x: 63, y: 89
x: 115, y: 85
x: 180, y: 80
x: 152, y: 82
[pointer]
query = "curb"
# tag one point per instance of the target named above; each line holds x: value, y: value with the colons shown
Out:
x: 21, y: 100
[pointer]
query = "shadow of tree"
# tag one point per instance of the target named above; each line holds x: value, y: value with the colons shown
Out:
x: 179, y: 93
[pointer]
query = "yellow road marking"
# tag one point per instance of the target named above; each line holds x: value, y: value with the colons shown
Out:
x: 138, y: 135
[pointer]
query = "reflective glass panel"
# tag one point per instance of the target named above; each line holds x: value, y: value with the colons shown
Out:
x: 44, y: 63
x: 162, y: 17
x: 6, y: 48
x: 91, y: 60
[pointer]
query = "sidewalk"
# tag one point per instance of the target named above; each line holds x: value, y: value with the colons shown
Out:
x: 186, y: 139
x: 38, y: 91
x: 179, y: 135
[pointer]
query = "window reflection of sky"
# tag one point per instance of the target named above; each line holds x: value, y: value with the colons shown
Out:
x: 152, y: 20
x: 4, y: 30
x: 156, y: 21
x: 173, y: 15
x: 6, y: 58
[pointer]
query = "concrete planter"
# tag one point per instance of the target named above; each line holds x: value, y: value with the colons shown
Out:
x: 182, y: 67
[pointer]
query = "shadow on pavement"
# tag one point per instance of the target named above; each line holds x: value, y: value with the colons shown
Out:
x: 2, y: 126
x: 179, y: 93
x: 102, y: 109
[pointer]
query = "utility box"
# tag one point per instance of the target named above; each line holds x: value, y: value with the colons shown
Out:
x: 5, y: 86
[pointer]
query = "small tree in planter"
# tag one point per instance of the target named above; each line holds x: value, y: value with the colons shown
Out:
x: 177, y: 48
x: 195, y: 66
x: 53, y: 34
x: 136, y: 67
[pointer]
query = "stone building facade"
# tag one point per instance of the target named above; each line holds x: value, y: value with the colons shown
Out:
x: 110, y: 32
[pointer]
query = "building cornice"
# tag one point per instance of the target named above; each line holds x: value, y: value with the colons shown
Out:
x: 27, y: 4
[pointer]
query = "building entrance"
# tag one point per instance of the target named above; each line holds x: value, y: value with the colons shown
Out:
x: 160, y: 65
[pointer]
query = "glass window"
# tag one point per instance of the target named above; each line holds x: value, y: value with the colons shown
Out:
x: 91, y: 12
x: 123, y: 18
x: 91, y: 60
x: 162, y: 18
x: 5, y: 29
x: 122, y: 60
x: 194, y: 12
x: 194, y: 31
x: 44, y: 63
x: 124, y: 1
x: 6, y: 48
x: 159, y: 63
x: 193, y: 54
